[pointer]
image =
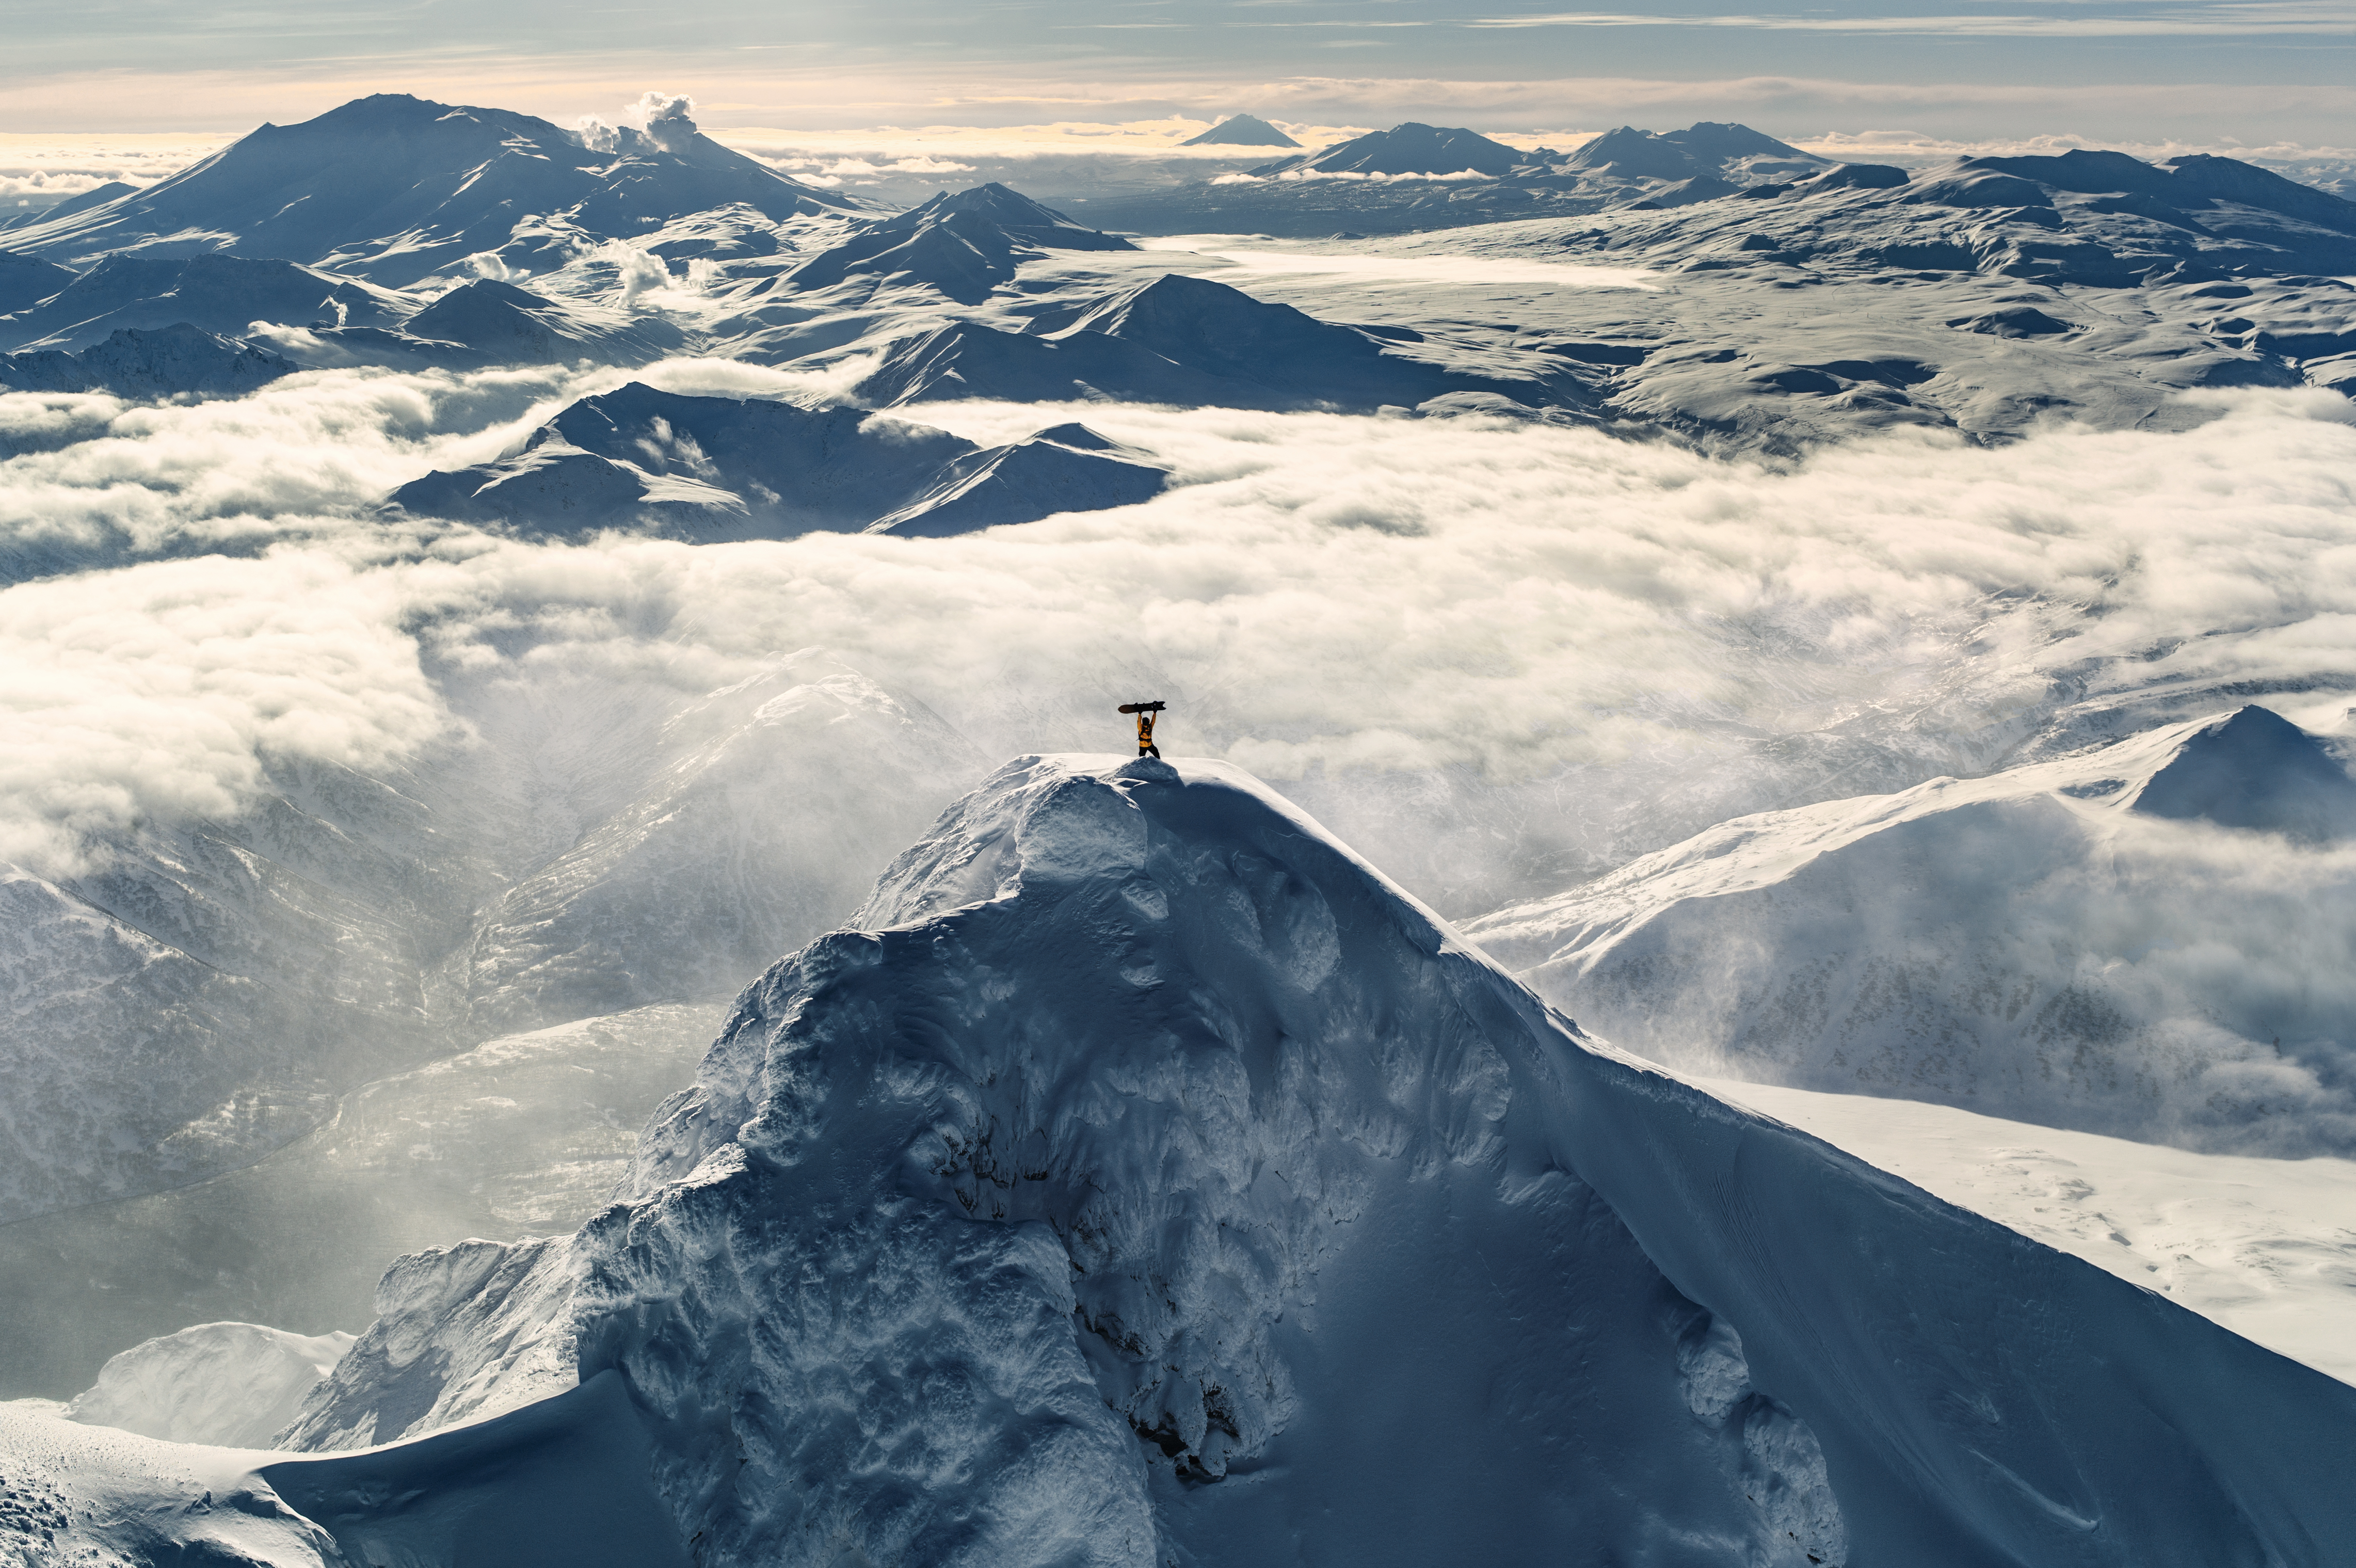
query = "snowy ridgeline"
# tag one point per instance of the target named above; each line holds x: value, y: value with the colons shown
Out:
x: 2150, y: 939
x: 1143, y: 1178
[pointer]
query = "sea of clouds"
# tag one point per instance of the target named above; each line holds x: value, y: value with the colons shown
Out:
x: 1499, y: 655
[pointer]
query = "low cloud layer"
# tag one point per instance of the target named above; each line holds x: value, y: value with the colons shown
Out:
x: 1497, y: 654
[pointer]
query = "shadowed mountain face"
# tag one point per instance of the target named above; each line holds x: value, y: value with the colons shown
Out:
x: 392, y: 188
x: 1179, y: 339
x: 1136, y: 1136
x: 712, y: 469
x: 964, y: 245
x: 2255, y: 769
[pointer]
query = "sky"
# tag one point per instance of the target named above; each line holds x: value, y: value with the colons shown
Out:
x: 2207, y: 72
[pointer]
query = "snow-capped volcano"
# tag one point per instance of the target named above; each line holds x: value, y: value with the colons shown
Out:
x: 392, y: 188
x: 1143, y: 1178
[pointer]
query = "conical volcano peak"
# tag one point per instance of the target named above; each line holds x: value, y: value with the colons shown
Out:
x: 1241, y: 130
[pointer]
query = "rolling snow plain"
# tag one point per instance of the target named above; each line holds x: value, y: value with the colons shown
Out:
x: 1872, y: 643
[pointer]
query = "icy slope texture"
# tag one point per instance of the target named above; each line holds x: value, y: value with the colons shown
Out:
x: 2266, y: 1248
x: 393, y: 189
x: 1241, y: 130
x: 759, y: 827
x: 168, y: 363
x: 230, y: 1385
x: 224, y: 295
x: 1179, y: 339
x: 713, y: 469
x: 2045, y: 944
x: 1140, y: 1136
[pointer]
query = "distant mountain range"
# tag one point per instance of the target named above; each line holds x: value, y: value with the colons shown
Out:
x: 391, y: 188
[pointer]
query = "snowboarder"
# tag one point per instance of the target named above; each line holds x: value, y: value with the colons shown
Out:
x: 1145, y: 712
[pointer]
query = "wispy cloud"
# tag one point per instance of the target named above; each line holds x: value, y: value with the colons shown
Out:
x: 2265, y: 18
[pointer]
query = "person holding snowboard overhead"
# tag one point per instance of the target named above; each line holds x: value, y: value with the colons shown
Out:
x: 1145, y: 712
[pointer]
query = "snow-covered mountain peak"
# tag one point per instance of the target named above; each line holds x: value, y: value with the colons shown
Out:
x: 2253, y: 768
x: 395, y: 189
x: 1138, y: 1136
x: 1405, y: 149
x: 1241, y: 130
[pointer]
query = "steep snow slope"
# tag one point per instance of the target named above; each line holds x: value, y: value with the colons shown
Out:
x: 711, y: 470
x: 2076, y: 942
x: 1138, y: 1136
x: 200, y: 994
x: 230, y: 1385
x: 393, y: 189
x: 560, y: 1485
x: 2267, y: 1247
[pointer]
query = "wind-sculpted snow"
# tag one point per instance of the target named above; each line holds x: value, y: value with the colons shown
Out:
x: 1143, y: 1177
x: 231, y: 1385
x: 2102, y: 942
x: 395, y: 189
x: 709, y: 469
